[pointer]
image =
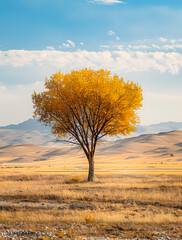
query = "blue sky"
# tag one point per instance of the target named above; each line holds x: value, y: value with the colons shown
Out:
x: 140, y: 40
x: 34, y: 24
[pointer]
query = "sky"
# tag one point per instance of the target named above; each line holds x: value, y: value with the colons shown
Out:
x: 137, y: 39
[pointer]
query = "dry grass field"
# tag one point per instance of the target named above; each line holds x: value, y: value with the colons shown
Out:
x: 42, y: 203
x: 137, y: 193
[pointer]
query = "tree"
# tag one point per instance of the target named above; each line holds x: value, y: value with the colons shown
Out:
x: 86, y: 105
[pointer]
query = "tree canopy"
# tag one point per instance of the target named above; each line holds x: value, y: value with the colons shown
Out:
x: 86, y: 105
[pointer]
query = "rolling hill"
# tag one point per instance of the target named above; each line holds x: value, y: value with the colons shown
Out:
x: 163, y: 150
x: 33, y: 132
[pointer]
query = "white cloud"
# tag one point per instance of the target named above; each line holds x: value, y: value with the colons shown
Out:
x: 120, y: 61
x: 178, y: 45
x: 104, y: 46
x: 163, y: 39
x: 172, y: 46
x: 120, y: 47
x: 111, y: 33
x: 156, y: 46
x: 173, y: 41
x: 107, y: 1
x: 50, y: 48
x: 81, y: 43
x: 15, y: 102
x: 69, y: 44
x: 136, y: 47
x: 167, y: 47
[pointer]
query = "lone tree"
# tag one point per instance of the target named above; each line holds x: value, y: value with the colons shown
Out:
x: 86, y: 105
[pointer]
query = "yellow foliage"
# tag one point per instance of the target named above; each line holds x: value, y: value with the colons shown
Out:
x: 86, y: 105
x: 86, y: 93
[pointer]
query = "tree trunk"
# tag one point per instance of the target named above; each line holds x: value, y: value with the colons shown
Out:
x: 91, y: 170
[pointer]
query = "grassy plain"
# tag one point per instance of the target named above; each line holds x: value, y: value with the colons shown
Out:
x: 137, y: 193
x: 115, y: 205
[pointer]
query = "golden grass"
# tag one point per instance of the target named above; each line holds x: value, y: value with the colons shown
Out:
x: 111, y: 199
x: 86, y: 216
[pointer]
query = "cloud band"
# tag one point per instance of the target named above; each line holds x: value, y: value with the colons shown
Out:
x: 116, y: 61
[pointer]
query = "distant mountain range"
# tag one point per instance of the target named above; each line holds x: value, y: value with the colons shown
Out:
x: 27, y: 132
x: 33, y: 132
x: 160, y: 127
x: 29, y: 125
x: 35, y: 125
